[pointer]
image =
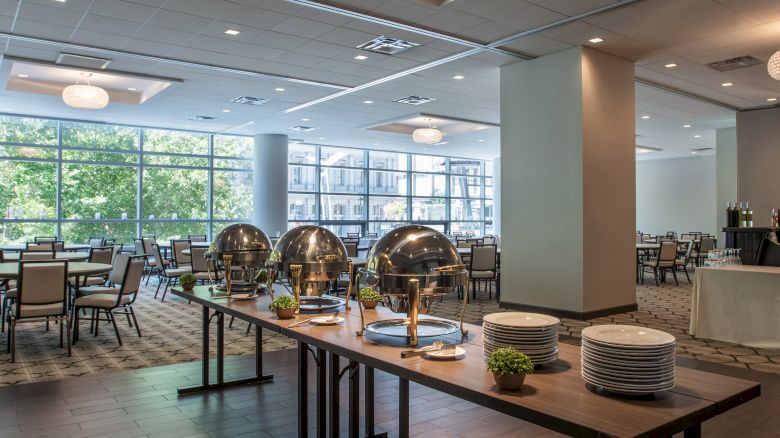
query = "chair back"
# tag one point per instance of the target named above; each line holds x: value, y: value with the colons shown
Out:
x: 131, y: 283
x: 101, y: 255
x: 148, y: 245
x: 354, y: 235
x: 688, y: 248
x: 196, y: 237
x: 117, y: 275
x: 36, y: 255
x: 488, y: 240
x: 706, y: 244
x: 372, y: 235
x: 116, y: 248
x: 639, y: 238
x: 352, y: 249
x: 158, y: 258
x: 139, y: 247
x: 668, y: 251
x: 59, y: 246
x: 483, y: 257
x: 96, y: 242
x: 768, y: 253
x: 152, y: 238
x: 45, y: 246
x: 42, y: 283
x: 39, y: 239
x: 109, y: 242
x: 178, y: 247
x: 199, y: 261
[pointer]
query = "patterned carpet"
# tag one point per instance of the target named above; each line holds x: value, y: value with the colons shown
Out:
x: 171, y: 334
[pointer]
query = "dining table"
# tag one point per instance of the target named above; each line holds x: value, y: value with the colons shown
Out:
x: 16, y: 247
x: 10, y: 271
x: 67, y: 255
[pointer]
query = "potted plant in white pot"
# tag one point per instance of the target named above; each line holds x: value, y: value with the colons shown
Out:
x: 509, y: 367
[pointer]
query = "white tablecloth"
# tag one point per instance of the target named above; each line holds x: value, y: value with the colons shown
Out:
x: 739, y: 304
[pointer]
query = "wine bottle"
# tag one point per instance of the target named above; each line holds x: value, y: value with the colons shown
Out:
x: 742, y: 215
x: 748, y: 215
x: 735, y: 215
x: 729, y: 215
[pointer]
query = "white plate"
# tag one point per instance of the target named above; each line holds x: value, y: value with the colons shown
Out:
x: 531, y: 344
x: 624, y: 391
x: 441, y: 355
x: 242, y: 297
x: 523, y: 348
x: 628, y: 371
x: 326, y: 320
x: 587, y: 345
x: 620, y: 377
x: 629, y: 349
x: 626, y: 386
x: 627, y: 335
x: 535, y: 358
x: 552, y: 334
x: 643, y: 363
x: 521, y: 319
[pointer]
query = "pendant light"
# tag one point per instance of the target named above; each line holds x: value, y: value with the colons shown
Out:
x: 427, y: 135
x: 773, y: 66
x: 85, y: 95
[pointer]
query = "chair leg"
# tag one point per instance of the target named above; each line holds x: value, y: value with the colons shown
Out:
x: 75, y: 325
x: 67, y: 335
x: 60, y: 321
x: 674, y: 274
x: 655, y: 274
x: 96, y: 318
x: 12, y: 332
x: 230, y: 324
x: 110, y: 315
x: 159, y: 283
x: 135, y: 321
x: 165, y: 291
x: 685, y: 269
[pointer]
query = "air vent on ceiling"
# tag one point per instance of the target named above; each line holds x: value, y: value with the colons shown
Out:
x: 248, y: 100
x: 701, y: 149
x: 82, y: 61
x: 302, y: 128
x: 295, y: 140
x: 387, y: 45
x: 734, y: 63
x: 415, y: 100
x: 436, y: 2
x: 203, y: 118
x: 646, y: 149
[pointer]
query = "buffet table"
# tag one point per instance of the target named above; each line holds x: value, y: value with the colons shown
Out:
x: 738, y: 304
x: 554, y: 397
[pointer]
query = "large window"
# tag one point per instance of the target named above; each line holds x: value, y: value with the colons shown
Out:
x: 355, y: 190
x: 77, y: 180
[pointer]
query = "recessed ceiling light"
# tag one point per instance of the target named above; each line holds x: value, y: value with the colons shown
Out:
x: 86, y: 75
x: 480, y: 140
x: 232, y: 32
x: 376, y: 144
x: 596, y: 40
x: 368, y: 101
x: 697, y: 136
x: 693, y: 152
x: 458, y: 77
x: 305, y: 120
x: 322, y: 138
x: 771, y: 99
x: 670, y: 65
x: 645, y: 116
x: 225, y: 110
x: 131, y: 89
x: 686, y: 126
x: 726, y: 84
x: 279, y: 89
x: 361, y: 57
x: 60, y: 1
x: 23, y: 76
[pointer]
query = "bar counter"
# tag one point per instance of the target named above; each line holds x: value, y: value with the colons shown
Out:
x: 748, y: 240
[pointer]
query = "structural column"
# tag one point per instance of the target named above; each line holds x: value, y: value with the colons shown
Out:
x: 725, y: 176
x: 269, y: 185
x: 497, y: 196
x: 758, y: 158
x: 567, y: 152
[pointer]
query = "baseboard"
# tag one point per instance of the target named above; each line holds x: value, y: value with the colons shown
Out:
x: 570, y: 314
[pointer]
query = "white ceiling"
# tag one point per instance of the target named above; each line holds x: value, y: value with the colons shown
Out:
x: 283, y: 38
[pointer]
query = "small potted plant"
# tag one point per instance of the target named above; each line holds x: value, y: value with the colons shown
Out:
x: 369, y: 297
x: 284, y: 306
x: 188, y: 281
x: 509, y: 367
x: 262, y: 278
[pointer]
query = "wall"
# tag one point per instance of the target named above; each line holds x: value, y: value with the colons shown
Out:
x: 726, y: 165
x: 676, y: 194
x: 758, y: 162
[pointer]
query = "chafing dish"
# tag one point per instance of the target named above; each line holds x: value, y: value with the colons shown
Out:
x: 242, y: 250
x: 410, y: 267
x: 311, y: 257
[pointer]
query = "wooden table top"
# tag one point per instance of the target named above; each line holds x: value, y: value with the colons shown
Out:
x: 195, y: 244
x: 555, y: 396
x: 22, y: 247
x: 11, y: 269
x: 70, y: 256
x: 645, y: 246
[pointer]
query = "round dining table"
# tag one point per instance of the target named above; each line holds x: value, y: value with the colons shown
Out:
x: 10, y: 270
x: 69, y: 256
x: 21, y: 247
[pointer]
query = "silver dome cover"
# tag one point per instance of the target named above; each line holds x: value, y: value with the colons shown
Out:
x: 414, y: 252
x: 320, y: 253
x: 248, y: 245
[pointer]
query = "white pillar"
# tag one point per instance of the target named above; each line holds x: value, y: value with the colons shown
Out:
x: 497, y: 196
x: 725, y: 176
x: 569, y: 214
x: 269, y: 185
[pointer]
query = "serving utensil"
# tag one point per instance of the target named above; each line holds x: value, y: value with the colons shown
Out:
x: 436, y: 346
x: 331, y: 319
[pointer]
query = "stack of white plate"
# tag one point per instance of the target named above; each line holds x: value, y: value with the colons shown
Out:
x: 628, y: 360
x: 534, y: 334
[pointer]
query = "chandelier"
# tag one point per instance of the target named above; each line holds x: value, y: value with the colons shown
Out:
x: 773, y: 66
x: 427, y: 135
x: 85, y: 96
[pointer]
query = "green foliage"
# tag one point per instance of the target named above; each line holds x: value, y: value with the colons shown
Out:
x: 368, y: 294
x: 284, y: 302
x: 509, y: 361
x: 188, y: 278
x: 262, y: 276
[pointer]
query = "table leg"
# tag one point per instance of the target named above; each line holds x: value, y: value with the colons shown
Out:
x: 693, y: 431
x: 322, y: 390
x: 354, y: 398
x: 205, y: 382
x: 403, y: 408
x: 368, y: 382
x: 303, y: 390
x: 333, y: 378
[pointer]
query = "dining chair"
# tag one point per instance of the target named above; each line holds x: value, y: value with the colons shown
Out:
x: 40, y: 239
x: 196, y: 237
x: 701, y: 250
x: 483, y: 268
x: 664, y: 261
x: 41, y: 295
x: 682, y: 260
x: 97, y: 241
x: 203, y: 268
x: 353, y: 235
x: 170, y: 275
x: 352, y: 248
x: 104, y: 255
x: 112, y: 301
x: 181, y: 260
x: 36, y: 255
x: 153, y: 262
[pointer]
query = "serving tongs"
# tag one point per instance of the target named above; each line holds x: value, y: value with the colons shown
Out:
x: 436, y: 346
